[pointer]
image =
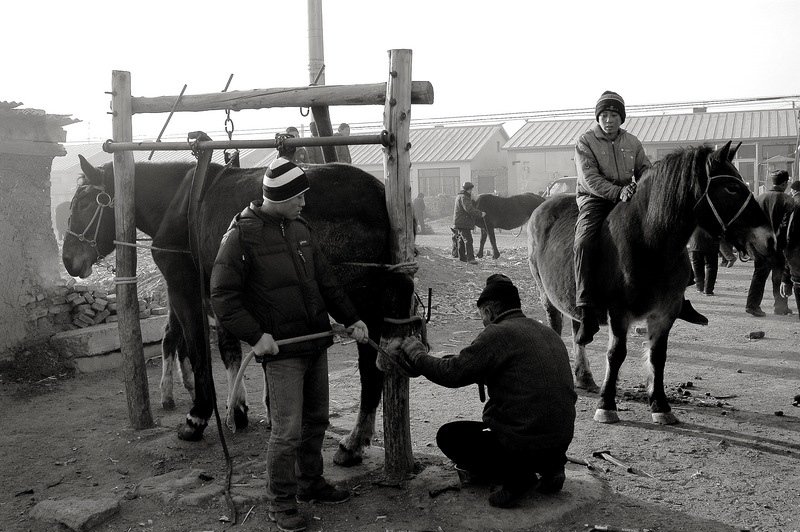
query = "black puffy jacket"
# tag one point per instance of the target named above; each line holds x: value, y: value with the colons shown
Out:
x: 270, y: 276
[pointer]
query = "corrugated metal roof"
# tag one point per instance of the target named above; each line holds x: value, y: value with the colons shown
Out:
x: 683, y: 128
x: 437, y: 144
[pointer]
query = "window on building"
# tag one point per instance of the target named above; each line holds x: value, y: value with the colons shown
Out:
x: 746, y: 151
x: 435, y: 181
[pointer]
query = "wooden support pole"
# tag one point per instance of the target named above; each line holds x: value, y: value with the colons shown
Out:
x: 130, y: 332
x: 322, y: 95
x: 399, y: 461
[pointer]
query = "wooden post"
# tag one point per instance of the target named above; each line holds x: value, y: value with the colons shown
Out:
x: 399, y: 460
x: 130, y: 332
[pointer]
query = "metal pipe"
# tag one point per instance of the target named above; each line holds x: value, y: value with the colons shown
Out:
x: 384, y: 139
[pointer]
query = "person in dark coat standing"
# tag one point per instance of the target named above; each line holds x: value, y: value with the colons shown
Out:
x: 776, y: 203
x: 529, y: 420
x: 418, y: 205
x: 464, y: 214
x: 271, y: 282
x: 704, y: 254
x: 794, y: 192
x: 343, y: 152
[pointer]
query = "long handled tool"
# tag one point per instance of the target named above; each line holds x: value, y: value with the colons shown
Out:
x: 337, y: 329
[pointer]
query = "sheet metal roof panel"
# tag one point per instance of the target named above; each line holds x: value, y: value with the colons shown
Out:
x: 438, y: 144
x: 683, y: 128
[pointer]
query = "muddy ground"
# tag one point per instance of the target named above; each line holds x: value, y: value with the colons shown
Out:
x: 731, y: 463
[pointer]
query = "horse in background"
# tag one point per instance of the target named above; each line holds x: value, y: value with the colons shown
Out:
x: 503, y: 213
x: 347, y: 210
x: 642, y: 265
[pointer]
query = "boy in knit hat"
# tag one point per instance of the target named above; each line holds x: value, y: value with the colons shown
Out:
x: 529, y: 419
x: 609, y: 160
x: 270, y: 281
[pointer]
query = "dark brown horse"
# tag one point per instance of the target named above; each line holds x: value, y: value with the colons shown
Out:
x: 347, y: 210
x: 503, y: 213
x: 643, y: 266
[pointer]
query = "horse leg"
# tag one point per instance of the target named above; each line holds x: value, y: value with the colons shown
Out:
x: 479, y: 254
x: 492, y: 240
x: 173, y: 335
x: 185, y: 302
x: 584, y: 379
x: 656, y: 356
x: 230, y: 350
x: 617, y: 352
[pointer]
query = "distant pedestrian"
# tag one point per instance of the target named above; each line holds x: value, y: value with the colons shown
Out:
x: 315, y: 155
x: 343, y: 152
x: 794, y: 192
x: 464, y: 214
x: 704, y: 254
x: 776, y: 204
x: 300, y: 153
x: 418, y: 206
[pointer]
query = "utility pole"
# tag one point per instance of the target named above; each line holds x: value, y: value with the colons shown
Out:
x: 316, y: 74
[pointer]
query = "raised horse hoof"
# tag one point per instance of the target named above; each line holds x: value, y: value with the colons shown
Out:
x: 187, y: 432
x: 240, y: 418
x: 346, y: 458
x: 606, y: 416
x: 664, y: 418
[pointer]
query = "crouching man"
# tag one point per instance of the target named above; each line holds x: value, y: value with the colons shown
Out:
x: 529, y: 419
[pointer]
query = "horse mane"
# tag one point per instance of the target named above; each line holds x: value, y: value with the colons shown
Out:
x: 674, y: 180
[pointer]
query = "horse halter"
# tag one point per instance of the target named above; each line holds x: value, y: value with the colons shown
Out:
x: 723, y: 225
x: 104, y: 200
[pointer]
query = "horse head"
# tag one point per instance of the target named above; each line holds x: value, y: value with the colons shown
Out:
x: 91, y: 229
x: 728, y: 209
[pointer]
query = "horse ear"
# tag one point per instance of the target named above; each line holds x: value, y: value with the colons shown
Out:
x: 92, y: 174
x: 723, y: 152
x: 732, y: 153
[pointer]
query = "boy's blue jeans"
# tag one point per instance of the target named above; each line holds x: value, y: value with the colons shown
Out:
x: 298, y: 396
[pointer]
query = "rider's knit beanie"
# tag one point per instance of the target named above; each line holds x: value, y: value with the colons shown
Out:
x: 284, y: 180
x: 610, y: 101
x: 500, y: 288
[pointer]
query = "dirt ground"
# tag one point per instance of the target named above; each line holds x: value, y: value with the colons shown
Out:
x: 732, y: 462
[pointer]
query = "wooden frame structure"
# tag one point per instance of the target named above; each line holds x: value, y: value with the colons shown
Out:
x: 397, y: 96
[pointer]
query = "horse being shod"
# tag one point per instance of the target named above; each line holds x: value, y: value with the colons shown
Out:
x: 503, y: 213
x: 643, y: 266
x: 347, y: 210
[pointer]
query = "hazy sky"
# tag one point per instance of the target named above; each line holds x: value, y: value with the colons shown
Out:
x: 502, y: 56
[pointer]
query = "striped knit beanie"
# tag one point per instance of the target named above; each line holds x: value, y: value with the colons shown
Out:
x: 284, y: 180
x: 610, y: 101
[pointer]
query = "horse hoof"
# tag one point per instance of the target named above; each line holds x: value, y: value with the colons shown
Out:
x: 479, y: 255
x: 347, y: 458
x: 606, y: 416
x: 187, y: 432
x: 664, y: 418
x: 496, y: 256
x: 168, y: 405
x: 240, y: 418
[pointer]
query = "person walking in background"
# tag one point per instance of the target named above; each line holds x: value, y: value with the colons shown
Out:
x: 776, y: 204
x: 300, y: 156
x: 529, y: 420
x: 270, y: 282
x: 418, y: 206
x: 704, y: 254
x: 794, y: 192
x: 343, y: 152
x: 727, y: 253
x: 464, y: 214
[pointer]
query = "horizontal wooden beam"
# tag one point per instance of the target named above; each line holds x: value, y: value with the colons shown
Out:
x: 315, y: 95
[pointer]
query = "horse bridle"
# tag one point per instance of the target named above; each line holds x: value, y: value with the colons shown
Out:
x: 104, y: 200
x: 724, y: 226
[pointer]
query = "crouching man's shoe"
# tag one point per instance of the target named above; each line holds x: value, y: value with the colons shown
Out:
x: 289, y: 520
x: 688, y: 313
x: 589, y: 326
x: 552, y: 483
x: 325, y: 495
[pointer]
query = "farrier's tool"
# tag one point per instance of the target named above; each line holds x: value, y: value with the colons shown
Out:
x: 605, y: 455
